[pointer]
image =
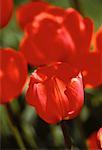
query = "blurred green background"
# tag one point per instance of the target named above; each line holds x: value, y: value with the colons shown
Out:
x: 31, y: 132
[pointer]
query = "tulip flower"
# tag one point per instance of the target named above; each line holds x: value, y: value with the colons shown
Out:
x: 95, y: 140
x: 24, y: 16
x: 98, y: 40
x: 56, y: 92
x: 99, y: 136
x: 13, y: 74
x: 63, y: 35
x: 27, y: 12
x: 91, y: 63
x: 57, y: 35
x: 6, y: 9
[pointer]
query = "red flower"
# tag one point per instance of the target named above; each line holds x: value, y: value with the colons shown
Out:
x: 56, y: 92
x: 6, y: 9
x: 91, y: 63
x: 27, y: 12
x: 99, y: 136
x: 57, y: 35
x: 24, y: 16
x: 98, y: 40
x: 13, y: 74
x: 95, y: 140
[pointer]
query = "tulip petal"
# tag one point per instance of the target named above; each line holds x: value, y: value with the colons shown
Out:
x: 6, y: 9
x: 53, y: 109
x: 55, y: 48
x: 13, y: 74
x: 98, y: 40
x: 75, y: 96
x: 95, y: 140
x: 56, y: 11
x: 24, y: 16
x: 80, y: 30
x: 32, y: 52
x: 92, y: 141
x: 59, y: 89
x: 30, y: 97
x: 99, y: 136
x: 92, y: 69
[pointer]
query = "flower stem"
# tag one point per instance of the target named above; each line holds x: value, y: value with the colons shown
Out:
x: 66, y: 135
x: 76, y: 5
x: 36, y: 0
x: 15, y: 131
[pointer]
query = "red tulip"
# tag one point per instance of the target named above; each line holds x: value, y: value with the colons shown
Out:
x: 99, y: 136
x: 6, y: 9
x: 13, y: 74
x: 95, y: 140
x: 24, y: 16
x: 56, y: 92
x: 56, y: 34
x: 98, y: 40
x: 51, y: 37
x: 45, y: 45
x: 27, y: 12
x: 91, y: 63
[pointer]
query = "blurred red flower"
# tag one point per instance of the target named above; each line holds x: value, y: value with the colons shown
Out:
x: 95, y: 140
x: 6, y: 9
x: 24, y: 16
x: 98, y: 40
x: 54, y: 34
x: 13, y: 74
x: 91, y: 63
x: 99, y: 136
x: 27, y: 12
x: 56, y: 92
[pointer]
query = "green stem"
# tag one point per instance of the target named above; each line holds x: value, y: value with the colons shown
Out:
x: 15, y: 131
x: 66, y: 135
x: 36, y: 0
x: 76, y: 5
x: 2, y: 38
